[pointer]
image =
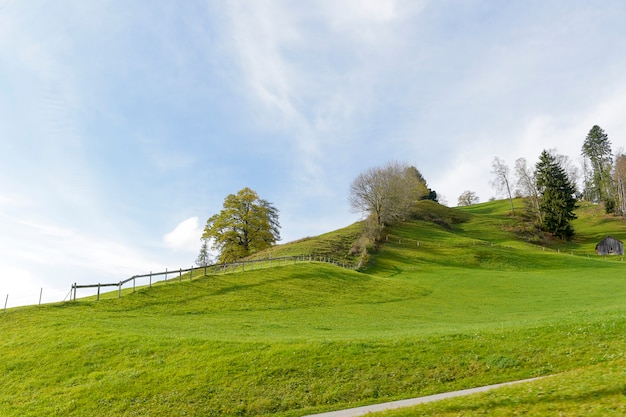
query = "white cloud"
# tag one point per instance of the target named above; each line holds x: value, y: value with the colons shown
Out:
x: 185, y: 236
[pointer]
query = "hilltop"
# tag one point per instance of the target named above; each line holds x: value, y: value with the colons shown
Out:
x: 452, y: 299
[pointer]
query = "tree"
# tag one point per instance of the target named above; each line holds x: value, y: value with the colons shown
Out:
x: 204, y: 257
x: 527, y: 186
x: 247, y: 224
x: 557, y: 196
x: 387, y: 194
x: 422, y: 191
x: 502, y: 182
x: 571, y: 170
x: 597, y: 149
x: 619, y: 178
x: 468, y: 198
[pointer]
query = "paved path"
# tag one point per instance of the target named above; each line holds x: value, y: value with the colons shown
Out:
x: 353, y: 412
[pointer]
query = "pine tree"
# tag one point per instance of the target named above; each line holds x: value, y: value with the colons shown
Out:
x: 597, y: 149
x: 204, y: 257
x: 557, y: 196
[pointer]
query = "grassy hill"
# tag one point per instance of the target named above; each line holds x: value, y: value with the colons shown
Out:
x: 452, y: 300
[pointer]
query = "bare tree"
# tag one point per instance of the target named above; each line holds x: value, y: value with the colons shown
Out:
x: 386, y: 193
x: 527, y: 185
x: 587, y: 179
x: 571, y: 170
x: 502, y: 182
x: 468, y: 198
x: 619, y: 177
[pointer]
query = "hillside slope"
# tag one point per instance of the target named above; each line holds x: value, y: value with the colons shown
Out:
x: 450, y: 301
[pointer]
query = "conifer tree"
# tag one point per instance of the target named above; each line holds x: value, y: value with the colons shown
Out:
x: 597, y: 149
x: 557, y: 202
x: 204, y: 257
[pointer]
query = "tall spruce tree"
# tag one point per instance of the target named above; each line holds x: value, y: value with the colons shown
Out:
x: 557, y: 202
x: 597, y: 149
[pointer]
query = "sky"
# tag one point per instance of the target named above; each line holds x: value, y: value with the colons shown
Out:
x: 125, y: 124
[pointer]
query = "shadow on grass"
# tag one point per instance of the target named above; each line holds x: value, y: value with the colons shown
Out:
x: 540, y: 400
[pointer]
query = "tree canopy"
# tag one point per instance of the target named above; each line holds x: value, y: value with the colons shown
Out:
x: 597, y: 149
x: 388, y: 193
x: 246, y: 224
x: 467, y: 198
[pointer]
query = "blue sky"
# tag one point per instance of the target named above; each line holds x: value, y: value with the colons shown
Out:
x: 124, y: 124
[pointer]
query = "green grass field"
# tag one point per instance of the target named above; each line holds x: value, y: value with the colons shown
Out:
x: 452, y: 301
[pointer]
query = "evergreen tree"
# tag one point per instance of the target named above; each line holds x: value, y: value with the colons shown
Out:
x: 247, y: 224
x: 557, y: 202
x: 204, y: 257
x: 597, y: 149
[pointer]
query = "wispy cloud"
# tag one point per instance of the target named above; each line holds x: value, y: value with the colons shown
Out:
x: 119, y: 119
x: 313, y: 68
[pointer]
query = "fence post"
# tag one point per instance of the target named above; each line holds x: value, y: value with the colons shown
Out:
x: 180, y: 274
x: 98, y: 296
x: 119, y: 290
x: 134, y: 279
x: 165, y: 276
x: 40, y: 294
x: 75, y: 291
x: 5, y: 303
x: 191, y: 273
x: 151, y: 279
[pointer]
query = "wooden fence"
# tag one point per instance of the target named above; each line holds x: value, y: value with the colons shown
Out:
x: 518, y: 245
x: 213, y: 269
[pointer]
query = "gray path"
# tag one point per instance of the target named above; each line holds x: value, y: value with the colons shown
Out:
x: 353, y: 412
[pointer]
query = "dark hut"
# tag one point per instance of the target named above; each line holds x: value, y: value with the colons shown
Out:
x: 610, y: 246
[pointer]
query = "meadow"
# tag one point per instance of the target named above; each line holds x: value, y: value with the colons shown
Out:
x: 453, y: 300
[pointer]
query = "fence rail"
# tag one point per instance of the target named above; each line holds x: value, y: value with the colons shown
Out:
x: 424, y: 244
x: 213, y: 269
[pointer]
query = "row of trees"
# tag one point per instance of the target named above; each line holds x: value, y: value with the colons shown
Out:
x: 550, y: 189
x: 248, y: 224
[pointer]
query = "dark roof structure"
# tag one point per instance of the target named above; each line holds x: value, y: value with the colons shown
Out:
x: 610, y: 246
